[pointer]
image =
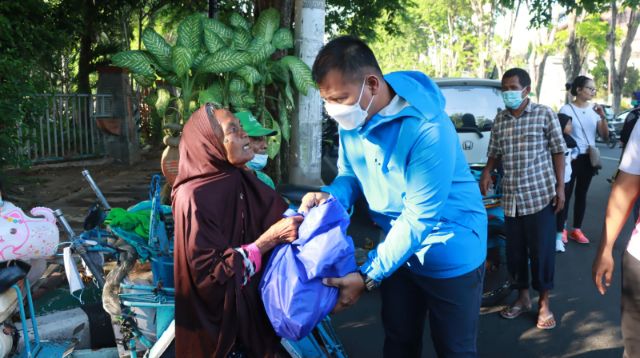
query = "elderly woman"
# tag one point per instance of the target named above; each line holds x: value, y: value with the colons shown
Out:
x: 226, y: 223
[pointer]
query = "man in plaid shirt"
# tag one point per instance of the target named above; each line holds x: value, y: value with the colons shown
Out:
x: 526, y: 139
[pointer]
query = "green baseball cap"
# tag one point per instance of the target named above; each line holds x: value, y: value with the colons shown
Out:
x: 251, y: 125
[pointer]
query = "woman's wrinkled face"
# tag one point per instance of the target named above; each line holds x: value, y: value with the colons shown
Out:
x: 259, y: 144
x: 235, y: 140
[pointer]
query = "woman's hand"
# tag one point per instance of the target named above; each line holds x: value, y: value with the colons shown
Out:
x: 285, y: 230
x: 599, y: 110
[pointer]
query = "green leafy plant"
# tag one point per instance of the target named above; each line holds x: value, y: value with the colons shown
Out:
x: 229, y: 62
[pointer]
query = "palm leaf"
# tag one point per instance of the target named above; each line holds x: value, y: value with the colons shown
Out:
x: 225, y: 60
x: 237, y: 85
x: 136, y: 61
x: 189, y: 32
x: 223, y: 31
x: 158, y: 47
x: 162, y: 102
x: 283, y: 117
x: 212, y: 40
x: 260, y: 50
x: 267, y: 24
x: 300, y: 72
x: 237, y: 21
x: 213, y: 94
x: 249, y: 74
x: 199, y: 58
x: 282, y: 39
x: 274, y: 141
x: 182, y: 60
x: 241, y: 39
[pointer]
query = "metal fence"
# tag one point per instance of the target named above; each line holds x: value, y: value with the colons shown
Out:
x: 67, y: 130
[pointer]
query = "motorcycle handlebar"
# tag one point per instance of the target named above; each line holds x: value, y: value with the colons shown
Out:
x: 96, y: 190
x: 65, y: 224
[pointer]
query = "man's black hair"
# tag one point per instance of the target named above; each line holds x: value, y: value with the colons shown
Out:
x: 347, y: 54
x: 523, y: 76
x: 578, y: 82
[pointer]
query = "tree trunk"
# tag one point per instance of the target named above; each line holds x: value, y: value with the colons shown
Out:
x: 306, y: 141
x: 625, y: 54
x: 572, y: 62
x: 512, y: 25
x: 86, y: 51
x: 611, y: 39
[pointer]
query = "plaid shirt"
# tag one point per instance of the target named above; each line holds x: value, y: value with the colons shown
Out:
x: 524, y: 146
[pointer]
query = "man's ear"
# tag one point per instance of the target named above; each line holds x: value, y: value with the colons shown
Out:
x: 527, y: 90
x: 373, y: 82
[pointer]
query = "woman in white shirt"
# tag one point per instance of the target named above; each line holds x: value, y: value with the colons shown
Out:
x: 586, y: 119
x: 625, y: 191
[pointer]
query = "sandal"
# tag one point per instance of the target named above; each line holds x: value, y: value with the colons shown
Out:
x: 546, y: 323
x: 513, y: 311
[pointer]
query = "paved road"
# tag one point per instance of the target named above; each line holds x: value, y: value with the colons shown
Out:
x: 588, y: 323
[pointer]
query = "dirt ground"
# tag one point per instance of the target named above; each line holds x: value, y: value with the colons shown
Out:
x: 62, y: 186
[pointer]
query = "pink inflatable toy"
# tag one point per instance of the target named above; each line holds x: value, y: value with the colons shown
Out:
x: 23, y: 237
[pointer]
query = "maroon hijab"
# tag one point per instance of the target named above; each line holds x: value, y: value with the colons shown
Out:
x: 218, y: 207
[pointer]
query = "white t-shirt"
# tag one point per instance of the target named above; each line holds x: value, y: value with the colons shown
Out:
x: 631, y: 164
x: 569, y: 155
x: 587, y: 119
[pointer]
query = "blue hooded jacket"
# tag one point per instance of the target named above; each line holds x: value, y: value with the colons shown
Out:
x: 418, y: 185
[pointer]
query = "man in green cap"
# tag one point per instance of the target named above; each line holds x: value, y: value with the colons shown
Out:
x: 258, y: 141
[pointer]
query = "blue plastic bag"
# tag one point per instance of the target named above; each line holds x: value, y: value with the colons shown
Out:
x: 292, y: 291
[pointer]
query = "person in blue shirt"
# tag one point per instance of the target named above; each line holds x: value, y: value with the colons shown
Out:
x: 400, y: 150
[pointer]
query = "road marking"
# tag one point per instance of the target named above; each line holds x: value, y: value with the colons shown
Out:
x: 609, y: 158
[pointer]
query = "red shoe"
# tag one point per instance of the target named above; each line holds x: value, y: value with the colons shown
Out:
x: 564, y: 236
x: 578, y: 236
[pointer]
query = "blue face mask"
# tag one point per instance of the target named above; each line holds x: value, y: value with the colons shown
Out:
x: 258, y: 162
x: 512, y: 99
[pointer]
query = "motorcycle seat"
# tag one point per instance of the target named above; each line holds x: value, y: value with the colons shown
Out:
x: 12, y: 272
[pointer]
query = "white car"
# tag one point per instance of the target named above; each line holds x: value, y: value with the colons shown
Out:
x: 472, y: 104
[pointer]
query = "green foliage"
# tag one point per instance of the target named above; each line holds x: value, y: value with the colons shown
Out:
x: 437, y: 37
x: 360, y: 17
x: 631, y: 82
x: 600, y: 73
x: 228, y: 62
x: 31, y: 43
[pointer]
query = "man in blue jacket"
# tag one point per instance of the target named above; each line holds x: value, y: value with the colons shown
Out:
x: 400, y: 150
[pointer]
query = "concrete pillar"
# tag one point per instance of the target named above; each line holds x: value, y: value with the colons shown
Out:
x: 121, y: 142
x: 306, y: 136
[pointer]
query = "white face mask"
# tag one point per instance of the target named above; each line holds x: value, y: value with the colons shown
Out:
x: 258, y: 162
x: 349, y: 116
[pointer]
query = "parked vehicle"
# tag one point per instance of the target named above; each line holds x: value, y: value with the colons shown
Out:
x: 613, y: 138
x: 618, y: 121
x: 472, y: 104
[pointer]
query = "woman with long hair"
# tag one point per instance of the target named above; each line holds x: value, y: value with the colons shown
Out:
x: 587, y: 118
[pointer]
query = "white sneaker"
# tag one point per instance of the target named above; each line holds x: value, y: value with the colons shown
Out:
x: 559, y: 246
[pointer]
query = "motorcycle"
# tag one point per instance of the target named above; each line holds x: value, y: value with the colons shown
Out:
x: 613, y: 138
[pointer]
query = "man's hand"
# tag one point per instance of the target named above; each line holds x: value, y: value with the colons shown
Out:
x: 351, y: 287
x: 602, y: 268
x: 485, y: 182
x: 310, y: 200
x: 558, y: 200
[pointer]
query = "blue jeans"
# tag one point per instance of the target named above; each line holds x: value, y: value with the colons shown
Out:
x: 453, y: 305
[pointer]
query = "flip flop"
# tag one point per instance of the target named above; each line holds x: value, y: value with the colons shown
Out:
x: 546, y: 323
x: 513, y: 311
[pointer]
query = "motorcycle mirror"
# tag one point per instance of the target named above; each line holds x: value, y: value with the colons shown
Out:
x: 94, y: 217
